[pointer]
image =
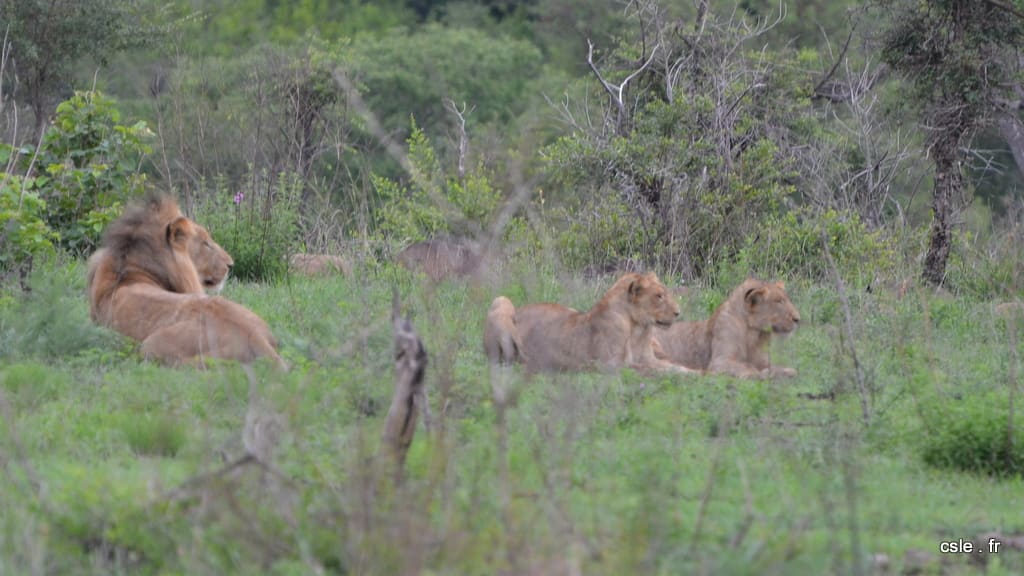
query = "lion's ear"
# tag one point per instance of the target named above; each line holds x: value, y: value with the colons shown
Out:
x: 781, y: 284
x: 754, y: 295
x: 178, y: 231
x: 634, y: 288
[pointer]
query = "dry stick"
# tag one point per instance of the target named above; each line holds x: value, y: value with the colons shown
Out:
x: 1012, y: 328
x: 749, y: 513
x: 499, y: 388
x: 617, y: 92
x: 848, y: 329
x: 1012, y: 310
x: 20, y: 456
x: 423, y: 181
x: 725, y: 421
x: 850, y: 488
x: 410, y: 367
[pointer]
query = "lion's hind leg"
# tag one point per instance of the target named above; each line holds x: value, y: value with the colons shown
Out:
x: 501, y: 338
x: 192, y: 342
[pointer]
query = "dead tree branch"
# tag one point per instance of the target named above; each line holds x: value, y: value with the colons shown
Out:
x: 818, y: 89
x: 862, y: 387
x: 617, y: 92
x: 410, y: 391
x: 1005, y: 7
x: 463, y: 140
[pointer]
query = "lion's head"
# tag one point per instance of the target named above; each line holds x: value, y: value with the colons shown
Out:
x: 212, y: 262
x: 769, y: 307
x: 153, y: 242
x: 649, y: 302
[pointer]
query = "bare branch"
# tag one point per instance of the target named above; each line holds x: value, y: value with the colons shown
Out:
x: 410, y: 393
x: 616, y: 91
x: 847, y: 326
x: 1005, y: 7
x: 835, y: 66
x: 463, y: 140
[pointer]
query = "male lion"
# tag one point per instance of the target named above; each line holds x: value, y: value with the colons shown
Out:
x: 617, y: 332
x: 735, y: 339
x: 147, y: 282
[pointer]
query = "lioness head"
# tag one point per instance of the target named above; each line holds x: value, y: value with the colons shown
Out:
x: 212, y: 262
x: 769, y: 307
x: 650, y: 302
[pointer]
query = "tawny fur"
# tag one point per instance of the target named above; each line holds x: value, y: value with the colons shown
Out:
x: 501, y: 343
x: 735, y: 339
x: 147, y: 281
x: 616, y: 333
x: 319, y: 264
x: 440, y: 258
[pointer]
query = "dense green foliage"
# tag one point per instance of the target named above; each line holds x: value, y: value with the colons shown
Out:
x: 86, y: 168
x: 257, y: 224
x: 436, y: 204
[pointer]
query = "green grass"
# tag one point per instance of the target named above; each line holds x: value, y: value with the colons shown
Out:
x: 101, y: 454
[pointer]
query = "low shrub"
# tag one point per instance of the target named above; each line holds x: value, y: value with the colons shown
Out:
x: 257, y: 224
x: 973, y: 434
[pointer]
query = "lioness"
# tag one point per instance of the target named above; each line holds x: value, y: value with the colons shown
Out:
x: 147, y: 282
x: 319, y: 264
x: 440, y: 258
x: 501, y: 343
x: 735, y: 339
x: 617, y: 332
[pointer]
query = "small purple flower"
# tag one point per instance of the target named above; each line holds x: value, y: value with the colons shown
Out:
x: 239, y: 197
x: 643, y: 386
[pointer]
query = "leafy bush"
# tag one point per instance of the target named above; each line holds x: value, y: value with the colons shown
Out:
x: 602, y: 232
x: 987, y: 268
x: 154, y: 434
x: 258, y: 225
x: 790, y: 244
x: 24, y: 233
x: 104, y: 510
x: 691, y: 207
x: 405, y: 73
x: 971, y: 434
x: 432, y: 203
x: 52, y: 321
x: 86, y: 167
x: 91, y: 164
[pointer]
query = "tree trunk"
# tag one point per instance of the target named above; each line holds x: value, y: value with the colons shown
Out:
x: 948, y: 187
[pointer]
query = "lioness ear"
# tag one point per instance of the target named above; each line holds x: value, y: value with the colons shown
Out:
x: 177, y: 231
x: 754, y: 295
x: 781, y: 284
x: 634, y: 288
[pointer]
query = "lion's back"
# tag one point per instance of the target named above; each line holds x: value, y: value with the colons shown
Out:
x: 687, y: 343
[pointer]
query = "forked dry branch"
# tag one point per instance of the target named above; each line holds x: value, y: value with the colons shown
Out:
x: 410, y: 389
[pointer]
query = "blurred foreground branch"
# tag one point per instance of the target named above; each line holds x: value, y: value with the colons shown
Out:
x: 410, y: 391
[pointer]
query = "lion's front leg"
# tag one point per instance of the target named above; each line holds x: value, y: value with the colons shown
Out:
x: 732, y: 367
x: 649, y: 361
x: 782, y: 372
